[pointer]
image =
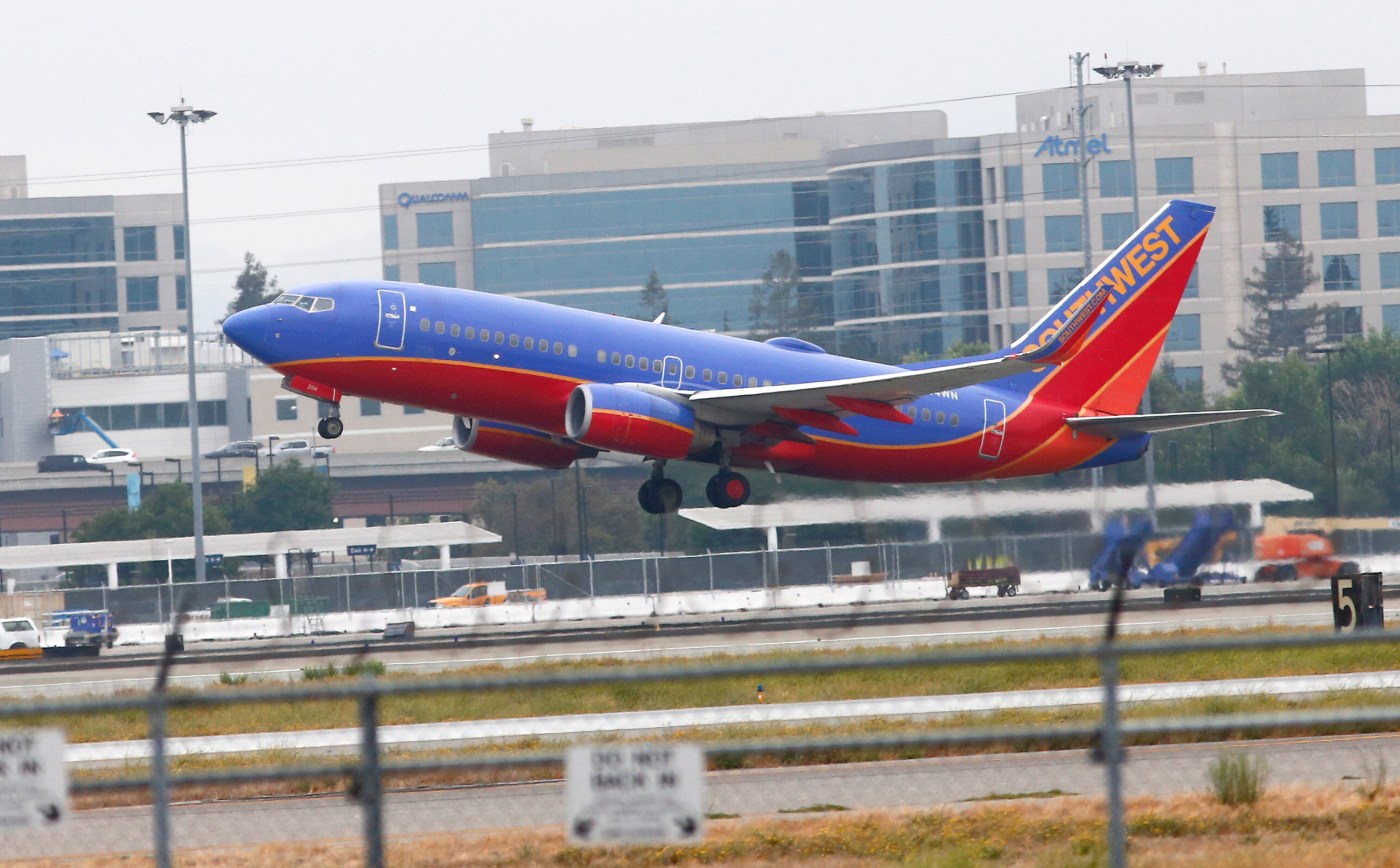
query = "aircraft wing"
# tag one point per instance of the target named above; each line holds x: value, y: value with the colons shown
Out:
x: 807, y: 403
x: 829, y: 395
x: 1151, y: 423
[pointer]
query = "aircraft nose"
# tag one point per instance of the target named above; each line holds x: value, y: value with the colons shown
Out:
x: 250, y: 329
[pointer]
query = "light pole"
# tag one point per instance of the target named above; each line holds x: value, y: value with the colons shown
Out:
x: 1327, y: 351
x: 1128, y: 70
x: 184, y: 116
x: 179, y: 468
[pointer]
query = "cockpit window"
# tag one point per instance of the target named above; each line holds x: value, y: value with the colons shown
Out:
x: 309, y: 303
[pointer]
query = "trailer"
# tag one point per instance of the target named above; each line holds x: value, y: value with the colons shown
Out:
x: 1006, y: 579
x: 82, y: 631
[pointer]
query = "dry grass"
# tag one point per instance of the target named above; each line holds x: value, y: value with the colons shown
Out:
x: 1305, y: 827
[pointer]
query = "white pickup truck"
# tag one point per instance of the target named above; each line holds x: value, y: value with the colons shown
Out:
x: 18, y: 633
x: 297, y: 448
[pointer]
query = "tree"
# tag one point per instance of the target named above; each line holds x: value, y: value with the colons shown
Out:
x: 253, y: 286
x: 779, y: 305
x: 286, y: 497
x: 1279, y: 324
x: 653, y: 300
x: 168, y: 511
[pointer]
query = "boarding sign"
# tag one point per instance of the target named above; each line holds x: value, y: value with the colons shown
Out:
x: 33, y: 778
x: 635, y: 793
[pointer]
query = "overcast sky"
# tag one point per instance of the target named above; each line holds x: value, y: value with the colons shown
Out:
x: 320, y: 102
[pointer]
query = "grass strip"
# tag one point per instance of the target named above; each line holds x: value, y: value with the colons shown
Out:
x: 718, y: 692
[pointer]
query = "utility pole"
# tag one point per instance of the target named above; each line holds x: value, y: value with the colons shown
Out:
x: 1081, y: 110
x: 1127, y: 71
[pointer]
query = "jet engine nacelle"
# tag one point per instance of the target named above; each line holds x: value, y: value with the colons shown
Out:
x: 518, y: 445
x: 633, y: 419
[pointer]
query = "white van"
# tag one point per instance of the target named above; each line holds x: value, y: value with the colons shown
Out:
x: 18, y: 633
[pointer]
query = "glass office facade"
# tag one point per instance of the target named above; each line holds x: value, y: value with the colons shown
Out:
x: 67, y: 269
x: 709, y: 242
x: 908, y: 252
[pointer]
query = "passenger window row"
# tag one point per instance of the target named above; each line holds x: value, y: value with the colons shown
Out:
x: 927, y: 415
x: 643, y: 363
x: 487, y: 336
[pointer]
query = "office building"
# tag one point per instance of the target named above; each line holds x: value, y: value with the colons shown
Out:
x: 919, y: 240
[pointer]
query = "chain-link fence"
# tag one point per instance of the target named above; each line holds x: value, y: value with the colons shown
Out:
x: 1086, y: 727
x: 562, y: 579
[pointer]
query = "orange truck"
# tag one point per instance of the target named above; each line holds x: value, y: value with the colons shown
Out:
x: 487, y: 594
x: 1289, y: 556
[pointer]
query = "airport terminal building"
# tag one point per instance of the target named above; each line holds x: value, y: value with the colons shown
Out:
x: 915, y: 241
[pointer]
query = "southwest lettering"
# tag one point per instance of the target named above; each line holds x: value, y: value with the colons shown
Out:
x: 1119, y: 278
x: 1166, y: 226
x: 1138, y: 260
x: 1155, y: 246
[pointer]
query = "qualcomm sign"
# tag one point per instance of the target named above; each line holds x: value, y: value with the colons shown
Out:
x: 1054, y: 146
x: 408, y: 200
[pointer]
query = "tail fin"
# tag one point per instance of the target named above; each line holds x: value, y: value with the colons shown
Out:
x: 1105, y: 368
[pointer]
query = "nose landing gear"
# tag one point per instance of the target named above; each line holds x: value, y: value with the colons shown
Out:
x: 330, y: 427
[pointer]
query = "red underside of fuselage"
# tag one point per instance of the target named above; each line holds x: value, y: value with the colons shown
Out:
x: 535, y: 400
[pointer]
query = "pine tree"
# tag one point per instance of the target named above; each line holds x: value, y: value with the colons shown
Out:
x: 253, y: 287
x: 779, y: 305
x: 1280, y: 324
x: 654, y: 302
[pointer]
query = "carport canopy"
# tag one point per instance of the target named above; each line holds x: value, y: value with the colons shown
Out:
x: 276, y: 545
x: 987, y: 500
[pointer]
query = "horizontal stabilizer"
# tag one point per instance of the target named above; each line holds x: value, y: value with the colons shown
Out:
x: 1152, y: 423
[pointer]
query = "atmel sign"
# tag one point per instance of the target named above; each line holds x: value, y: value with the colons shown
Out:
x: 1054, y: 146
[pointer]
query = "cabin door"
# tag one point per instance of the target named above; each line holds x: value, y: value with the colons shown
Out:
x: 392, y: 314
x: 671, y: 372
x: 993, y: 428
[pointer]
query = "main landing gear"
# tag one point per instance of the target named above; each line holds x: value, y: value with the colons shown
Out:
x: 660, y: 495
x: 331, y: 427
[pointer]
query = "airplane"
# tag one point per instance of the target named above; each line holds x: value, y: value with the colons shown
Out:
x: 545, y: 385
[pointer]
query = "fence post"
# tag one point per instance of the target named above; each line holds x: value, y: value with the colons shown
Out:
x: 370, y: 786
x: 830, y: 573
x: 710, y: 556
x: 160, y: 780
x: 591, y: 595
x: 160, y: 771
x: 1110, y: 746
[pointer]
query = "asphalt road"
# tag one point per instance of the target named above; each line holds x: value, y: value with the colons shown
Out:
x: 1343, y: 762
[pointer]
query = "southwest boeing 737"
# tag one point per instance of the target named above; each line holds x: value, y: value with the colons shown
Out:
x: 544, y: 385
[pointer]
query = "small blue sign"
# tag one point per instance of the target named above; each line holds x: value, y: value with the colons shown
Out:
x: 133, y: 491
x: 367, y: 549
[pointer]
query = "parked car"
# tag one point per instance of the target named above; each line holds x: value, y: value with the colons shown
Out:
x: 446, y: 444
x: 296, y: 449
x: 18, y: 633
x: 236, y: 449
x: 113, y: 456
x: 62, y: 463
